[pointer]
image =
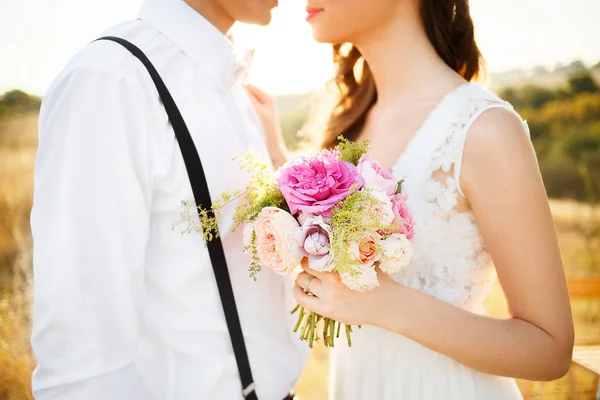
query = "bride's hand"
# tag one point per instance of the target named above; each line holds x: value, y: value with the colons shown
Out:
x: 266, y: 108
x: 332, y: 299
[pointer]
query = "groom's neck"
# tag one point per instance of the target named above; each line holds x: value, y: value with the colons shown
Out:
x: 214, y: 13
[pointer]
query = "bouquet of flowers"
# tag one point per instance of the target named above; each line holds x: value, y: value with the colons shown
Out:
x: 338, y: 210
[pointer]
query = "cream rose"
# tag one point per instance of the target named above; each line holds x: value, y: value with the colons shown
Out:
x: 396, y: 254
x: 365, y: 278
x: 275, y: 243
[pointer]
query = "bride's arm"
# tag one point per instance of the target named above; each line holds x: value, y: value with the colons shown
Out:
x: 502, y: 182
x: 266, y: 109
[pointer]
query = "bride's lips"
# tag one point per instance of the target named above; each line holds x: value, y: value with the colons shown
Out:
x: 313, y: 12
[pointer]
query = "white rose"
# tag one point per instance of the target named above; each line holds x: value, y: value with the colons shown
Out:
x: 385, y: 209
x: 365, y: 280
x: 396, y: 253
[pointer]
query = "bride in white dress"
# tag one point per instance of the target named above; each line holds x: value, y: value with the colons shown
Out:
x: 477, y: 195
x: 476, y: 192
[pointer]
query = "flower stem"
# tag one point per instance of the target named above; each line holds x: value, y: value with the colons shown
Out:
x: 331, y: 332
x: 348, y: 332
x: 300, y: 318
x: 306, y: 327
x: 313, y: 320
x: 339, y: 326
x: 296, y: 309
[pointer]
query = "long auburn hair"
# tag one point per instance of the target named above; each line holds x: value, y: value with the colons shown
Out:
x: 450, y: 30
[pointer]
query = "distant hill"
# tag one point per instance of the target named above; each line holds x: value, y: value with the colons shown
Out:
x: 18, y: 102
x: 540, y: 75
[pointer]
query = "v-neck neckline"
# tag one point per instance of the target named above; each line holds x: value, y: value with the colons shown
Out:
x: 434, y: 111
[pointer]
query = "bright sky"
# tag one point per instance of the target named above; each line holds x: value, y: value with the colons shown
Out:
x: 37, y: 37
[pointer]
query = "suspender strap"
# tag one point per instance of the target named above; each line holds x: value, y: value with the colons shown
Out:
x: 202, y: 198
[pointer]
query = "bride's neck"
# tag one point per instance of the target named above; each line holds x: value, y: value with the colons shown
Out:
x: 401, y: 58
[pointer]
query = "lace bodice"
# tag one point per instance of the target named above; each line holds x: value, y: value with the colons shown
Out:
x: 451, y: 259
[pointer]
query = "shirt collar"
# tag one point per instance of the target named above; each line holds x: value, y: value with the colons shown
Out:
x: 199, y: 39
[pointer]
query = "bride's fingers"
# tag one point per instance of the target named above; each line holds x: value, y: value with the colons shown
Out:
x: 255, y: 101
x: 321, y: 275
x: 309, y: 283
x: 307, y: 301
x: 261, y: 96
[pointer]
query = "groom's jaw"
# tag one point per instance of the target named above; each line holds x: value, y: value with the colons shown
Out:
x: 224, y: 13
x: 257, y: 12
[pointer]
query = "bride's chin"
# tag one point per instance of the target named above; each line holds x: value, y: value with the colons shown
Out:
x: 324, y: 37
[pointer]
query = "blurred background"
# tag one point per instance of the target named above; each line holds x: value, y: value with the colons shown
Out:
x: 542, y: 56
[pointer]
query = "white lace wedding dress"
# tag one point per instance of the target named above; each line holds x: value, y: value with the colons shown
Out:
x: 451, y: 263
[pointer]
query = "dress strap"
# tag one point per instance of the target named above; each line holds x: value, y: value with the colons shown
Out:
x: 472, y: 107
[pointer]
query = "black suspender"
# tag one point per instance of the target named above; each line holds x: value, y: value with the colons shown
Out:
x: 202, y: 198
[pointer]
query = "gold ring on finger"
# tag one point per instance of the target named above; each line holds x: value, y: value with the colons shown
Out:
x: 308, y: 280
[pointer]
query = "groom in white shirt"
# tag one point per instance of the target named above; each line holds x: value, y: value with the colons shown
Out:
x: 126, y: 308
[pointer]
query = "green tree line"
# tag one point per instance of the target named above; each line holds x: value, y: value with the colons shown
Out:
x: 18, y: 102
x: 565, y: 130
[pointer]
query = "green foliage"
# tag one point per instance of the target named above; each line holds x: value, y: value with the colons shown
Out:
x: 358, y: 214
x: 255, y: 267
x: 18, y: 102
x: 352, y: 151
x: 565, y: 129
x: 261, y: 192
x: 583, y: 83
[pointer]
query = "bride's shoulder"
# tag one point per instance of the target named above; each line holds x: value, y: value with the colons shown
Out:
x: 495, y: 129
x: 489, y: 115
x: 483, y: 98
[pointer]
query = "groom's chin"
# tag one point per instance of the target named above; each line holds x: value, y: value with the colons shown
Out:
x: 260, y: 20
x: 266, y: 20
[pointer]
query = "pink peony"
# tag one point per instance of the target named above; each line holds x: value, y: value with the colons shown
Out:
x: 366, y: 252
x: 313, y: 185
x: 313, y: 237
x: 274, y: 240
x: 403, y: 217
x: 376, y: 177
x: 327, y: 154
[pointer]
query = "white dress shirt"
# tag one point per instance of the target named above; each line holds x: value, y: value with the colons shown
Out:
x: 126, y: 308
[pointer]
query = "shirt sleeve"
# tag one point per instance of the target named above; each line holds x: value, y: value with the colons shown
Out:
x: 90, y: 224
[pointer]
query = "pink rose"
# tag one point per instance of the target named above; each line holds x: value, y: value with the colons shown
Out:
x: 403, y: 217
x: 377, y: 177
x: 366, y: 251
x: 275, y: 245
x: 313, y: 237
x: 313, y: 185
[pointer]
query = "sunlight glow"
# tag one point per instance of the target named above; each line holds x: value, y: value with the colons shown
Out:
x: 39, y: 37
